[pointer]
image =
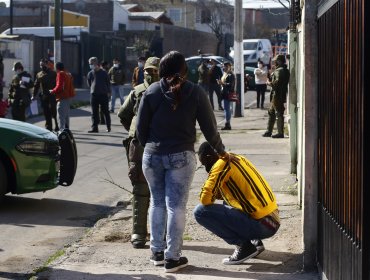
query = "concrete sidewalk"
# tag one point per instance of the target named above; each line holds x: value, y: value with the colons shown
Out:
x: 105, y: 253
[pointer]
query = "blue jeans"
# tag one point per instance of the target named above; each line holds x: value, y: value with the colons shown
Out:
x: 169, y: 178
x: 63, y: 109
x: 227, y: 110
x: 116, y: 93
x: 230, y: 224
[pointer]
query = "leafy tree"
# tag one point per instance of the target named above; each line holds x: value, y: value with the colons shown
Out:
x: 218, y: 15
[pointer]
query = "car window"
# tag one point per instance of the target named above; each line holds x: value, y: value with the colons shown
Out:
x: 250, y: 45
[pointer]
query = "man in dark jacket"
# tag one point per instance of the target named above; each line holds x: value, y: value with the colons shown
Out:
x: 279, y: 84
x: 19, y: 92
x: 203, y: 79
x: 99, y: 84
x: 215, y: 75
x: 140, y: 189
x: 45, y: 80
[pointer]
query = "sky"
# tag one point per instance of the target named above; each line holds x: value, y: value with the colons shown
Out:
x: 252, y: 4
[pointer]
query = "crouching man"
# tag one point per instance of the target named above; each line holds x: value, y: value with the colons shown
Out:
x: 249, y: 210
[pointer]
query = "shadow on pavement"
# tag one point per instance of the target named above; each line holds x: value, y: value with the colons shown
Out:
x: 29, y: 212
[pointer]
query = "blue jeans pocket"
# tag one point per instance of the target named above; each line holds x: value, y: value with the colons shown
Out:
x: 177, y: 160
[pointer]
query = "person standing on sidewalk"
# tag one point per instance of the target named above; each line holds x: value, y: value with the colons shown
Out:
x: 279, y: 89
x: 260, y: 75
x: 46, y: 80
x: 63, y: 91
x: 168, y: 112
x: 227, y: 83
x: 19, y: 92
x: 134, y: 151
x: 215, y: 75
x: 138, y: 75
x: 117, y: 80
x: 99, y: 84
x: 203, y: 79
x: 249, y: 212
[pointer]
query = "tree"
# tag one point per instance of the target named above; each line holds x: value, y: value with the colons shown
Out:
x: 218, y: 15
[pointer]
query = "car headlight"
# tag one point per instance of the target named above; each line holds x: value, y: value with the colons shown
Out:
x: 33, y: 146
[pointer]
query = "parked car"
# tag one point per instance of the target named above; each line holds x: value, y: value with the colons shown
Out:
x: 193, y: 63
x: 33, y: 159
x: 249, y: 82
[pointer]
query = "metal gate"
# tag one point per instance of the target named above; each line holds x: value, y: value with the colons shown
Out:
x: 343, y: 249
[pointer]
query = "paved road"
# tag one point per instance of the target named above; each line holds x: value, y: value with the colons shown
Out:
x: 35, y: 226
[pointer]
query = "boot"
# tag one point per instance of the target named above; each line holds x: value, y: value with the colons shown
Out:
x: 226, y: 127
x: 140, y: 207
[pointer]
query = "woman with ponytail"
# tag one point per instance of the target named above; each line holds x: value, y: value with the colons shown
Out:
x: 168, y: 112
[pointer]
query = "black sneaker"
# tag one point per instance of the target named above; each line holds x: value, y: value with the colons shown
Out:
x: 278, y: 135
x: 175, y: 265
x: 259, y: 246
x: 157, y: 258
x: 267, y: 134
x: 241, y: 254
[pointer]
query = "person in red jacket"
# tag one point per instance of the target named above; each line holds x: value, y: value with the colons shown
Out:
x: 63, y: 91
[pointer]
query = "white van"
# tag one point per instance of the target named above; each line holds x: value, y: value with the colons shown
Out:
x: 254, y: 49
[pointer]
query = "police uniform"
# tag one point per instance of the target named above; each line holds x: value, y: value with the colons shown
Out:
x: 279, y: 85
x: 134, y: 151
x: 46, y: 80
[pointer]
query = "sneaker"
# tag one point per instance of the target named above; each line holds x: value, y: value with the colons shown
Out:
x: 278, y: 135
x: 226, y: 128
x: 93, y: 131
x: 157, y: 258
x: 267, y: 134
x: 241, y: 254
x: 259, y: 246
x: 175, y: 265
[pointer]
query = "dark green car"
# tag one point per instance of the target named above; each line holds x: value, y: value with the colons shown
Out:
x: 33, y: 159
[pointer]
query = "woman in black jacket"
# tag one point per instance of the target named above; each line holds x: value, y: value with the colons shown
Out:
x: 167, y: 116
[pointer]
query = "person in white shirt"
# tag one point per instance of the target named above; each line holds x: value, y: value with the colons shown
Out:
x: 260, y: 75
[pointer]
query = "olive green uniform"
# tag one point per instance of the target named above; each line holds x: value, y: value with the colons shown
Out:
x: 19, y: 96
x: 45, y: 80
x: 141, y: 193
x: 279, y: 84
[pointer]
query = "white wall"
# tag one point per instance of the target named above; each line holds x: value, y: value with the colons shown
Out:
x: 120, y: 15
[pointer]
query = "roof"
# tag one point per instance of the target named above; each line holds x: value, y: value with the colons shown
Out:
x: 264, y: 4
x: 154, y: 16
x: 131, y: 7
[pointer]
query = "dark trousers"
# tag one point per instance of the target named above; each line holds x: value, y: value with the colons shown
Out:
x: 101, y: 100
x: 49, y: 107
x: 19, y: 112
x: 217, y: 89
x: 260, y: 89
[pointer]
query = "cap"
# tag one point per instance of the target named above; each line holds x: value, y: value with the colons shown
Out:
x: 152, y: 62
x: 206, y: 149
x: 17, y: 65
x: 280, y: 57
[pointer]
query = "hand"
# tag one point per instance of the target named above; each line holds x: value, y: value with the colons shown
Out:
x: 228, y: 157
x: 51, y: 91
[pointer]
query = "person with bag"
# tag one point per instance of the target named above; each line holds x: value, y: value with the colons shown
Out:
x: 134, y: 151
x: 166, y: 128
x: 19, y: 92
x: 64, y: 91
x: 227, y: 83
x: 46, y: 80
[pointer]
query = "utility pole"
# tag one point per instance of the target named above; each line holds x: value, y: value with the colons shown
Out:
x: 238, y: 57
x: 57, y: 42
x: 11, y: 16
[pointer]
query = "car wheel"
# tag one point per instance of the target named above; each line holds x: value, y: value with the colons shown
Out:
x: 3, y: 180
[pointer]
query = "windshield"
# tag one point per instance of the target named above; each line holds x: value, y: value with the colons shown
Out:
x: 250, y: 45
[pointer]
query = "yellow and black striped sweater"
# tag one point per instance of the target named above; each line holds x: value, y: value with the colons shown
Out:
x: 241, y: 186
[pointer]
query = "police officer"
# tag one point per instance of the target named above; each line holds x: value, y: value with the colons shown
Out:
x: 19, y: 92
x: 127, y: 115
x: 279, y: 84
x: 45, y: 80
